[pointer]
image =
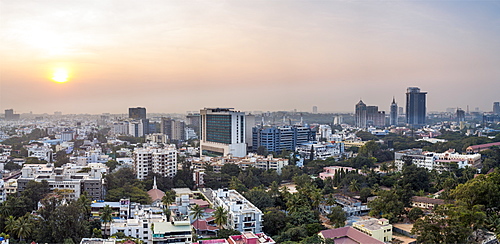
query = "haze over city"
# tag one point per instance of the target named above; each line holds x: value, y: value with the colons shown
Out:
x: 178, y: 56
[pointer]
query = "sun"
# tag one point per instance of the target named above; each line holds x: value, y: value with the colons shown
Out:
x: 60, y: 75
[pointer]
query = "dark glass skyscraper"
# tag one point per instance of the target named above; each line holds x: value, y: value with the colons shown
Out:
x: 137, y: 113
x: 415, y: 106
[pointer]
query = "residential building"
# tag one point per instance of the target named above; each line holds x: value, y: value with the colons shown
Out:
x: 174, y: 129
x: 222, y: 132
x: 321, y: 150
x: 331, y: 171
x: 69, y: 180
x: 277, y: 139
x: 120, y: 128
x: 425, y: 202
x: 172, y: 232
x: 349, y: 235
x: 482, y: 147
x: 157, y: 160
x: 415, y: 106
x: 438, y: 161
x: 394, y: 113
x: 243, y: 216
x: 251, y: 160
x: 379, y: 229
x: 42, y: 152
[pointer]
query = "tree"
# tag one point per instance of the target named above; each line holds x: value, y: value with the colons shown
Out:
x: 262, y: 151
x: 230, y: 169
x: 354, y: 186
x: 388, y: 205
x: 106, y: 216
x: 368, y: 150
x: 337, y: 216
x: 196, y: 212
x: 220, y: 215
x: 275, y: 221
x: 260, y: 198
x: 415, y: 213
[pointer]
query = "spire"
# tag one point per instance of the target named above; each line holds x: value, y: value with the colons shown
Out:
x: 393, y: 99
x: 154, y: 183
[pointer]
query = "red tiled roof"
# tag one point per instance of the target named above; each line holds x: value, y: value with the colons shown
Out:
x: 485, y: 145
x: 156, y: 194
x: 201, y: 225
x: 354, y: 236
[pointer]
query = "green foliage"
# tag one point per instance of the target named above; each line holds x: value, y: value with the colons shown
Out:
x: 225, y: 233
x: 112, y: 164
x: 260, y: 198
x: 388, y: 205
x: 230, y: 169
x: 415, y: 213
x: 337, y: 216
x: 275, y: 220
x: 220, y: 215
x: 12, y: 166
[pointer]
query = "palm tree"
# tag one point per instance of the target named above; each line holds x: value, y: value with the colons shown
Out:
x: 10, y: 224
x: 106, y: 216
x: 220, y: 215
x: 168, y: 199
x: 354, y: 185
x: 24, y: 226
x: 197, y: 213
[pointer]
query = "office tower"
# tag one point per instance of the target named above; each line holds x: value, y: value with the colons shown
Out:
x: 315, y: 109
x: 496, y: 108
x: 415, y: 106
x: 460, y: 114
x: 360, y: 114
x: 277, y: 139
x: 10, y: 115
x: 222, y: 132
x: 174, y: 129
x: 394, y: 112
x: 137, y: 113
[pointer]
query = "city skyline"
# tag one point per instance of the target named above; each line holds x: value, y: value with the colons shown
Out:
x: 173, y: 57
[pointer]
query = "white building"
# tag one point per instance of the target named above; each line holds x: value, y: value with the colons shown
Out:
x: 177, y: 232
x: 41, y: 152
x: 223, y: 132
x: 322, y: 150
x: 158, y: 160
x: 243, y: 216
x: 120, y: 128
x: 69, y: 180
x: 438, y: 161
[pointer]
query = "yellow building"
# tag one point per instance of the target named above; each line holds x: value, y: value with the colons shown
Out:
x: 379, y: 229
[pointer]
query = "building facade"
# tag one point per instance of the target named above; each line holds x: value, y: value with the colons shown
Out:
x: 222, y: 132
x: 243, y: 216
x: 137, y: 113
x: 157, y: 160
x: 379, y: 229
x: 277, y: 139
x: 360, y: 114
x: 438, y: 161
x: 415, y: 106
x: 394, y: 113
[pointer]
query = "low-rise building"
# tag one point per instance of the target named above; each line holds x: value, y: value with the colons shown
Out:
x: 172, y: 232
x: 349, y: 235
x: 379, y: 229
x: 482, y: 147
x: 322, y: 150
x: 425, y: 202
x: 437, y: 161
x: 331, y: 171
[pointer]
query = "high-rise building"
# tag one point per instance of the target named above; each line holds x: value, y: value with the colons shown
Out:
x: 174, y: 129
x: 368, y: 116
x: 496, y: 108
x: 415, y: 106
x: 315, y: 109
x: 277, y: 139
x: 162, y: 161
x: 394, y: 112
x: 137, y: 113
x: 360, y: 114
x: 460, y: 115
x: 222, y: 131
x: 10, y: 115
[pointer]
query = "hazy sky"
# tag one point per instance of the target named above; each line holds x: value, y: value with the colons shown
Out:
x: 177, y: 56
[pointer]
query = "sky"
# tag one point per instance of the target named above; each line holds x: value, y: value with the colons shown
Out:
x: 178, y: 56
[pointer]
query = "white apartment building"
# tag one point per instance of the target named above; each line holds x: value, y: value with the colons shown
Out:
x: 158, y: 160
x: 69, y: 180
x: 322, y: 150
x: 251, y: 160
x: 41, y: 152
x: 438, y: 161
x: 120, y: 128
x: 243, y: 216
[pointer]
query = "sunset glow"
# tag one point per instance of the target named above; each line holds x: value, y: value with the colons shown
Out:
x: 60, y: 75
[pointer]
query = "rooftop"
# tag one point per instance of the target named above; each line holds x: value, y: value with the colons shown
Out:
x: 348, y: 235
